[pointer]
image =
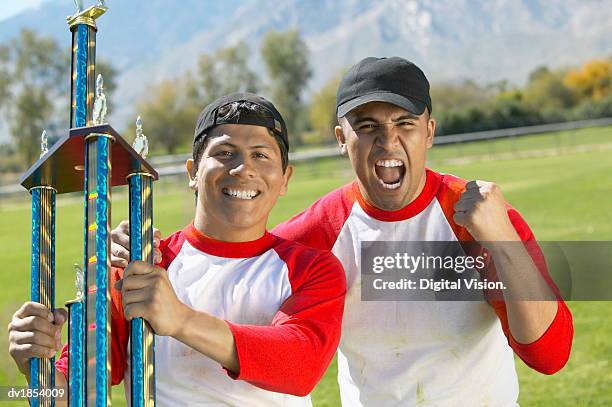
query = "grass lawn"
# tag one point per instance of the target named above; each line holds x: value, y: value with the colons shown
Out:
x: 566, y: 196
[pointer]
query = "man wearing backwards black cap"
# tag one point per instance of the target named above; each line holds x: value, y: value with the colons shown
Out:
x: 403, y: 353
x: 407, y: 353
x: 227, y: 293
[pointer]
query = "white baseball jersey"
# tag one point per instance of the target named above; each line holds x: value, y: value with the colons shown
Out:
x: 405, y: 353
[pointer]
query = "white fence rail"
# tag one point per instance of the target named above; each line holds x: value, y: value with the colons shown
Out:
x: 171, y: 165
x: 522, y: 131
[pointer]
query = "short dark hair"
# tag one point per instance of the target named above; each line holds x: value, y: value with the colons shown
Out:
x: 232, y: 111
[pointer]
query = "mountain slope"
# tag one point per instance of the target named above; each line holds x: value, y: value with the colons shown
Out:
x: 450, y: 39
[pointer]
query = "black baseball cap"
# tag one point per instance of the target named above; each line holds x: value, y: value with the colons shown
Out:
x: 209, y: 116
x: 393, y: 80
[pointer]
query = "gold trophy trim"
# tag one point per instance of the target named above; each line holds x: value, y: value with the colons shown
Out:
x: 87, y: 16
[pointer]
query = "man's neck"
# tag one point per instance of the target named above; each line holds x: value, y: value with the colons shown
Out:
x: 228, y: 233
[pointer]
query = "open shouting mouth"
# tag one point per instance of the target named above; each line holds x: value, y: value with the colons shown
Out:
x: 390, y: 173
x: 242, y: 194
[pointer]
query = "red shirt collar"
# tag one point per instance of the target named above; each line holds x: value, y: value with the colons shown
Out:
x: 432, y: 182
x: 221, y: 248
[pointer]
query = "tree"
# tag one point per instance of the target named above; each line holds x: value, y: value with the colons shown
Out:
x: 226, y: 71
x: 30, y: 75
x: 286, y: 58
x: 170, y: 111
x: 539, y: 73
x: 323, y: 111
x: 453, y: 97
x: 590, y: 81
x: 168, y: 115
x: 33, y: 108
x: 545, y: 91
x: 5, y: 76
x: 38, y: 61
x: 34, y: 73
x: 460, y: 106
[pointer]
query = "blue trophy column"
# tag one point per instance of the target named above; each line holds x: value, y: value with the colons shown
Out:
x: 82, y: 91
x: 42, y: 285
x: 142, y: 339
x: 97, y: 292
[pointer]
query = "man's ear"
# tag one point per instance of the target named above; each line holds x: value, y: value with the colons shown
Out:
x: 341, y: 139
x: 192, y: 174
x: 286, y: 177
x: 431, y: 132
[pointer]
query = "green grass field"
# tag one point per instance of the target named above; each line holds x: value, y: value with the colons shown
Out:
x: 563, y: 190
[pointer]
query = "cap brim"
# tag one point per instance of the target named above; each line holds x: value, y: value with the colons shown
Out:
x: 412, y: 105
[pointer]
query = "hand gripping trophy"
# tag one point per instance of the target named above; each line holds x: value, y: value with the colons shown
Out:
x: 91, y: 157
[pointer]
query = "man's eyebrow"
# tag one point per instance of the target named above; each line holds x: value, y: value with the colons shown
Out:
x: 406, y: 116
x: 255, y: 147
x: 224, y: 143
x: 360, y: 120
x: 266, y: 146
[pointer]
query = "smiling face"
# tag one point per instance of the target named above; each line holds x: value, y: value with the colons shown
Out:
x: 238, y: 180
x: 387, y: 146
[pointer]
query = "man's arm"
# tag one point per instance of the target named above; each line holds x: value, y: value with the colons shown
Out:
x: 210, y: 336
x: 531, y: 305
x: 539, y: 331
x: 147, y: 293
x: 293, y: 353
x: 289, y: 356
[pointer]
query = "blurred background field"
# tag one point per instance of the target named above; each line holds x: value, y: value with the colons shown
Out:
x: 561, y: 183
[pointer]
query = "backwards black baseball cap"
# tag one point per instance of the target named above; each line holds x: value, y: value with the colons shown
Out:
x: 209, y: 117
x: 391, y: 80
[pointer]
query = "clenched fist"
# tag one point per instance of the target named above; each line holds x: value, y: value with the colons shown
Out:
x: 35, y: 332
x: 482, y: 210
x: 147, y: 293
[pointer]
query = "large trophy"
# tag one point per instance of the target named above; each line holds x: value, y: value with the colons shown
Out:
x: 91, y: 158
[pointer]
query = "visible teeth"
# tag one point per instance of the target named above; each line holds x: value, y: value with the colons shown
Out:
x: 389, y: 163
x: 390, y: 186
x: 241, y: 194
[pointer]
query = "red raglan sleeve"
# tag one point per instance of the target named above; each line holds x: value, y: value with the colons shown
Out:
x: 549, y: 353
x: 292, y: 354
x: 119, y: 336
x: 319, y: 225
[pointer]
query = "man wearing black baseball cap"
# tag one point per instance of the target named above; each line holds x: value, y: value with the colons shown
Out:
x: 392, y: 80
x: 405, y: 353
x: 256, y: 111
x: 241, y: 316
